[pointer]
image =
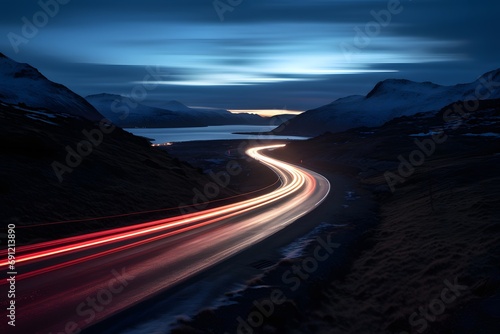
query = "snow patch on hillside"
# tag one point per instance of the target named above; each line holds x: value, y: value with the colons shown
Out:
x: 389, y: 99
x: 23, y: 85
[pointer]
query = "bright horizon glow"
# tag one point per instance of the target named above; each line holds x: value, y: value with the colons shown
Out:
x: 266, y: 112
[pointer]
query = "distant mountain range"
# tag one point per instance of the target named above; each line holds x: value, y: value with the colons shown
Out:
x: 127, y: 113
x: 387, y: 100
x: 23, y: 85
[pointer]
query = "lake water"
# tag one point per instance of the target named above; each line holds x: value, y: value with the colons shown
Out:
x: 220, y: 132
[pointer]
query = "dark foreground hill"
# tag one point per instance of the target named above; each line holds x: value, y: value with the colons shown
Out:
x: 44, y: 176
x: 61, y: 161
x: 429, y: 264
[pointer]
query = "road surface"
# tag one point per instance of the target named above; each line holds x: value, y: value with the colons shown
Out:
x: 69, y: 284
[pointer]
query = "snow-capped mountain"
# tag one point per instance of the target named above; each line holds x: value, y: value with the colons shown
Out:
x: 388, y: 99
x: 125, y: 112
x: 212, y: 116
x: 176, y: 106
x: 207, y: 115
x: 23, y: 85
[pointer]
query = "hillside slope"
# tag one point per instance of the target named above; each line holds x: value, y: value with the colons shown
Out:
x: 397, y: 252
x: 388, y: 99
x: 60, y: 162
x: 23, y: 84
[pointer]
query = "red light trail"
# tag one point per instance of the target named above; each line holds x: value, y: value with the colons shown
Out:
x: 162, y: 252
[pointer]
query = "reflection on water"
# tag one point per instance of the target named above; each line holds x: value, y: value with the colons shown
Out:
x: 221, y: 132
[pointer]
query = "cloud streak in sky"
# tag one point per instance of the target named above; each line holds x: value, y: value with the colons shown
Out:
x: 282, y: 46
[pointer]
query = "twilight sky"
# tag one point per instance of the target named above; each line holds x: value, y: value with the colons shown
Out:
x: 264, y: 54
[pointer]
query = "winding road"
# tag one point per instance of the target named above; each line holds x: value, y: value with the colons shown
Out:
x: 69, y: 284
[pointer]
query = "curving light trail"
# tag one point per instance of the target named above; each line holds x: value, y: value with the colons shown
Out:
x: 166, y: 251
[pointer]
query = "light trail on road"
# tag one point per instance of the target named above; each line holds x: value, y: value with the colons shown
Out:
x: 159, y: 253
